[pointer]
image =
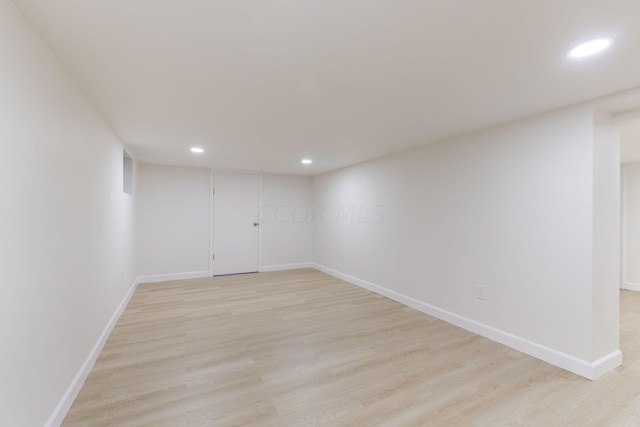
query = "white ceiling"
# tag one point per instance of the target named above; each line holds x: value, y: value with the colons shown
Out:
x: 261, y: 84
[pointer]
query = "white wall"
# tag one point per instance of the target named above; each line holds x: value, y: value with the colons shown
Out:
x: 65, y: 225
x: 510, y: 208
x: 606, y: 236
x: 286, y: 224
x: 631, y: 227
x: 173, y: 222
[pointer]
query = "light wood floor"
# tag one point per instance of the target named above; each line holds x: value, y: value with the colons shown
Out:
x: 301, y: 348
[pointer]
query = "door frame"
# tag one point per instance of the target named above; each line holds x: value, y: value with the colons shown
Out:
x: 619, y: 121
x: 212, y: 173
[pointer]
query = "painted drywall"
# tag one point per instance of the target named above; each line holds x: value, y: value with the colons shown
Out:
x: 510, y: 208
x: 286, y: 221
x: 65, y: 225
x: 630, y: 142
x: 631, y: 226
x: 173, y: 222
x: 606, y: 236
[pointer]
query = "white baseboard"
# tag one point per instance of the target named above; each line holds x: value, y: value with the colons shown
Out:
x: 60, y: 411
x: 589, y: 370
x: 605, y: 364
x: 631, y: 286
x: 174, y: 276
x: 281, y: 267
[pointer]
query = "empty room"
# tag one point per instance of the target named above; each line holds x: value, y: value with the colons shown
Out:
x: 305, y: 213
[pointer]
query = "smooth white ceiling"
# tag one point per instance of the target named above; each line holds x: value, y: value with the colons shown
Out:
x: 261, y: 84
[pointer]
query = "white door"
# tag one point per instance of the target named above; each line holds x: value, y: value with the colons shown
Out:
x: 236, y: 232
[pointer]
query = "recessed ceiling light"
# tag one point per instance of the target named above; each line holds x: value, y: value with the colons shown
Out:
x: 197, y: 150
x: 307, y: 161
x: 590, y: 48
